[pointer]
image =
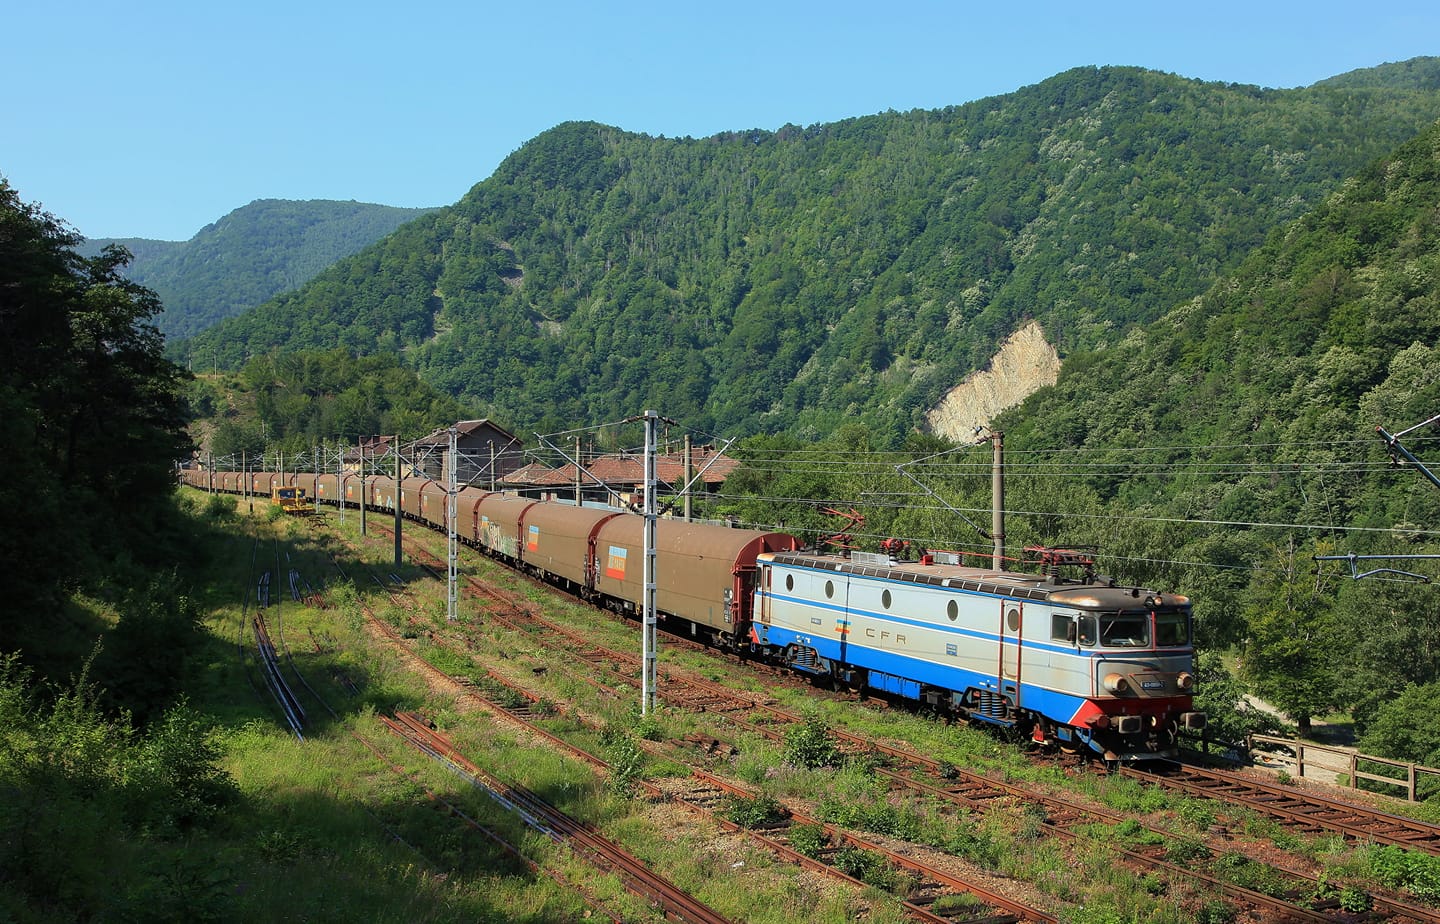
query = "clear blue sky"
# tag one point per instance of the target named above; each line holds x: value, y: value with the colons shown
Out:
x: 152, y: 119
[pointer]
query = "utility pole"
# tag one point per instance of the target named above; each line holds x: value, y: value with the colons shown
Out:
x: 997, y: 499
x: 577, y: 471
x: 451, y: 492
x: 364, y: 489
x: 340, y: 481
x: 397, y: 501
x: 647, y: 694
x: 685, y: 479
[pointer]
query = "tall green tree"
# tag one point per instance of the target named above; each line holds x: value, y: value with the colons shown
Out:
x: 90, y: 409
x: 1293, y: 656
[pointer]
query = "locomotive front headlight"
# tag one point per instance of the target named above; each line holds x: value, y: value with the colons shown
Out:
x: 1114, y: 683
x: 1184, y: 680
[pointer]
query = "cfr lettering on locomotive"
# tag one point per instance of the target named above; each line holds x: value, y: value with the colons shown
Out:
x: 885, y: 635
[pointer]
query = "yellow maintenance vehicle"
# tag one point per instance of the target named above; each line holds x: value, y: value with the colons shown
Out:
x: 292, y: 500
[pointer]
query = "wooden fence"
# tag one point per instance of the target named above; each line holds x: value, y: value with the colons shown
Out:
x: 1336, y: 764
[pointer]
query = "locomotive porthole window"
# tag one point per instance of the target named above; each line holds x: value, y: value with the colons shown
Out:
x: 829, y: 589
x: 952, y: 609
x: 789, y: 582
x: 1012, y: 620
x: 885, y: 599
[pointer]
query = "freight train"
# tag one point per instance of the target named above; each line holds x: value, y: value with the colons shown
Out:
x: 1083, y: 664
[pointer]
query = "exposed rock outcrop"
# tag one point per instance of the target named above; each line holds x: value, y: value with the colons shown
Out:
x: 1026, y: 362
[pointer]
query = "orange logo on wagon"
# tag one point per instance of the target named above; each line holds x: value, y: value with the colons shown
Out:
x: 615, y: 562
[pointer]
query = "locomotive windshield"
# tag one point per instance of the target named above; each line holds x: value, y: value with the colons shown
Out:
x: 1172, y: 629
x: 1125, y: 630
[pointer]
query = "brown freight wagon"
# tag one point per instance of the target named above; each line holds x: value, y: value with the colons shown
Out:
x: 702, y: 572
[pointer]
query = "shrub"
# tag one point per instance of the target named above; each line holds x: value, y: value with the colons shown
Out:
x: 221, y: 506
x: 1215, y: 912
x: 1185, y: 850
x: 1417, y: 873
x: 626, y: 760
x: 752, y: 813
x: 810, y: 745
x: 808, y: 840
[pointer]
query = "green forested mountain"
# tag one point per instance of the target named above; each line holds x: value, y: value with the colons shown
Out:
x: 1257, y: 403
x: 252, y: 254
x: 760, y: 281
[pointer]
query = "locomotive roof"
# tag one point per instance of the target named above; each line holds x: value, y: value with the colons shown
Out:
x: 986, y: 580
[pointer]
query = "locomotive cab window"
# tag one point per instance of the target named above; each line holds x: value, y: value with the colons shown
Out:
x: 1125, y: 630
x: 1172, y: 629
x: 1086, y: 626
x: 1062, y: 628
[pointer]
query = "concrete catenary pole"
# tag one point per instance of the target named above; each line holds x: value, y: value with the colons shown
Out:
x: 364, y: 489
x: 687, y: 475
x: 397, y: 501
x: 453, y: 547
x: 997, y: 499
x: 647, y: 692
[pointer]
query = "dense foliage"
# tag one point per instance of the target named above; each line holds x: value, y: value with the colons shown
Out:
x: 1267, y: 392
x: 294, y: 402
x: 792, y: 280
x: 1186, y: 452
x: 95, y: 814
x: 88, y: 405
x: 251, y: 255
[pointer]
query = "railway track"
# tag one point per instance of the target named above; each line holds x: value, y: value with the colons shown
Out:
x: 1303, y: 897
x: 932, y: 885
x: 673, y: 902
x: 1304, y: 809
x: 705, y: 794
x: 273, y: 654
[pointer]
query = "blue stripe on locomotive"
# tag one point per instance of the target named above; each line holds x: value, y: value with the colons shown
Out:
x: 905, y: 674
x: 909, y: 672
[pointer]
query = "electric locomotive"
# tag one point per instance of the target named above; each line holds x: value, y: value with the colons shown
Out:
x: 1081, y: 665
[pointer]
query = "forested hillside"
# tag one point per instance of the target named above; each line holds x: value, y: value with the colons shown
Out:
x: 297, y: 401
x: 762, y: 281
x: 1217, y: 451
x: 1258, y: 403
x: 252, y: 254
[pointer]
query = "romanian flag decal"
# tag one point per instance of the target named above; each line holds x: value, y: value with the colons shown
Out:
x: 842, y: 626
